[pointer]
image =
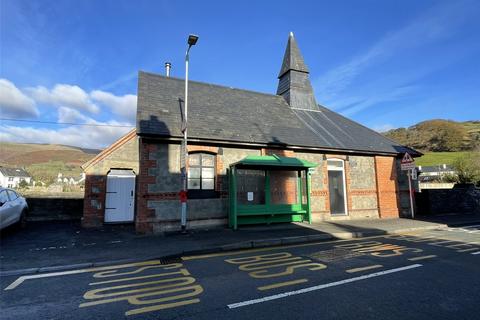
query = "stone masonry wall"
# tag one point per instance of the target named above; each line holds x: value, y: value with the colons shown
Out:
x: 362, y: 194
x: 319, y: 188
x: 125, y: 156
x: 158, y: 205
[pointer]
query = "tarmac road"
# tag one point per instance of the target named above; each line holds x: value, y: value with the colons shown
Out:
x: 424, y: 275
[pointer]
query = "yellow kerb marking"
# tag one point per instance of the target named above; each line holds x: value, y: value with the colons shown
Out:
x: 282, y: 284
x: 375, y: 266
x: 422, y: 257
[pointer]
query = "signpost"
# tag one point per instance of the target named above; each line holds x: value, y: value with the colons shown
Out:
x: 408, y: 164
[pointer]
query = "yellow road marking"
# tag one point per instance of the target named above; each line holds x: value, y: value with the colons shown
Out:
x: 21, y: 279
x: 375, y: 266
x: 166, y: 292
x: 181, y: 271
x: 282, y: 284
x: 135, y: 299
x: 161, y: 306
x: 422, y: 257
x: 174, y: 282
x: 234, y: 253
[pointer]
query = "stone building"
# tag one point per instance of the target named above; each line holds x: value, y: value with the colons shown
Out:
x: 357, y: 175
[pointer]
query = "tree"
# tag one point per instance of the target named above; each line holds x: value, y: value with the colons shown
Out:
x: 23, y: 184
x: 468, y: 168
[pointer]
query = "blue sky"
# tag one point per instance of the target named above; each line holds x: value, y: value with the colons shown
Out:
x: 385, y: 64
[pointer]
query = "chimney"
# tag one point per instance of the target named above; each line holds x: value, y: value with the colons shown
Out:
x: 168, y: 66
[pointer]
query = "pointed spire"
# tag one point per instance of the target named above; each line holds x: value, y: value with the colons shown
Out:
x: 294, y: 84
x: 292, y: 60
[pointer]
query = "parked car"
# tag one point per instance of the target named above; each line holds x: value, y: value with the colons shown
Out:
x: 13, y: 208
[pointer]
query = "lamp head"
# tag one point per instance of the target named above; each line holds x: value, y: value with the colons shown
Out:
x: 192, y: 39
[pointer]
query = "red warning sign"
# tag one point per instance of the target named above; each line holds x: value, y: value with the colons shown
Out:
x: 407, y: 162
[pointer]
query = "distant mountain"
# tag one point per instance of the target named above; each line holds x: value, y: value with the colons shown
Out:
x: 439, y: 135
x: 45, y: 161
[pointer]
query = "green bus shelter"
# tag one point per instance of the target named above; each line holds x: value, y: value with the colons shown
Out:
x: 268, y: 189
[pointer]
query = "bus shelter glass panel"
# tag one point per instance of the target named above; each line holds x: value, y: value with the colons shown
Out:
x: 250, y: 187
x: 303, y: 186
x: 283, y: 187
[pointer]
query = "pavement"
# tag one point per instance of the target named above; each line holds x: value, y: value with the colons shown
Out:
x: 58, y: 246
x: 420, y: 274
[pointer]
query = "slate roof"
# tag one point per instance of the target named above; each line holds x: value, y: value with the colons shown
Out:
x: 14, y: 172
x: 292, y: 59
x: 227, y: 114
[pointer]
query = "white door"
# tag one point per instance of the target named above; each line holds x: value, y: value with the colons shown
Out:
x: 120, y: 199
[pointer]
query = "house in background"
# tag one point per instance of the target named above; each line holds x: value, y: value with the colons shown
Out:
x: 11, y: 177
x: 138, y: 178
x: 68, y: 180
x: 435, y: 173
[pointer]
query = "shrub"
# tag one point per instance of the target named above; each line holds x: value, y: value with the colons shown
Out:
x: 468, y: 168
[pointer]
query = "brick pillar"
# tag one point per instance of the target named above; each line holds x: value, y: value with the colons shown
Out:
x: 387, y: 189
x: 144, y: 217
x: 94, y: 201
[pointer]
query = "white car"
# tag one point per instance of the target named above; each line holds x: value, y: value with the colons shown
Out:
x: 13, y: 208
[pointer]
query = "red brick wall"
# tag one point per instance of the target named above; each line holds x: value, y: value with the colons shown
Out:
x: 283, y: 183
x: 278, y: 152
x: 94, y: 201
x: 144, y: 216
x: 387, y: 187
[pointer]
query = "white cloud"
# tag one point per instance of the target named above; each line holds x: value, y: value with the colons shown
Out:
x: 125, y: 106
x: 81, y: 136
x: 15, y: 104
x: 71, y: 115
x: 64, y: 95
x: 73, y: 106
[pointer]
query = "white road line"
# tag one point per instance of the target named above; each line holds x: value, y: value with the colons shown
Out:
x: 21, y: 279
x: 478, y: 252
x: 320, y: 287
x: 422, y: 257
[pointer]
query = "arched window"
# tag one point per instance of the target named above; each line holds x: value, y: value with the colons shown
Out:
x: 201, y: 171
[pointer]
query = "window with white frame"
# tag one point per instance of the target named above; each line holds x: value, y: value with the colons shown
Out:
x: 201, y: 171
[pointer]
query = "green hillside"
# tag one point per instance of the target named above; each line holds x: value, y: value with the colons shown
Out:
x: 439, y: 136
x: 45, y: 161
x: 436, y: 158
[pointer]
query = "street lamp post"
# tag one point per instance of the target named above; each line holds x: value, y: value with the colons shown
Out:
x: 192, y: 40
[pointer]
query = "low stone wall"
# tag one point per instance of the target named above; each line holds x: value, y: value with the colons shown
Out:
x: 439, y: 185
x: 459, y: 199
x: 54, y: 208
